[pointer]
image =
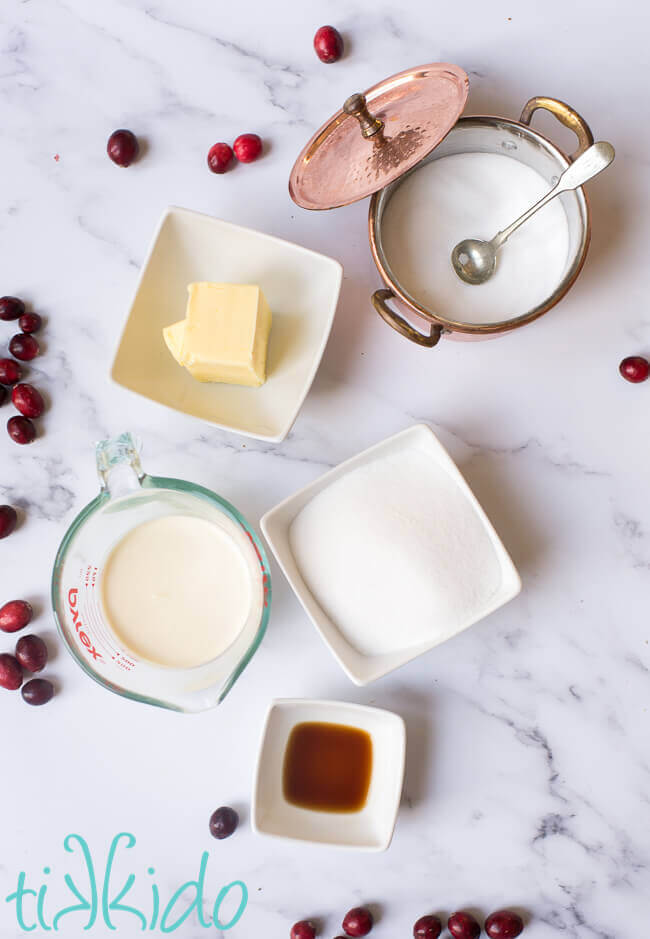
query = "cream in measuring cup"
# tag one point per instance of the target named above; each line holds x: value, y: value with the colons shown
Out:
x: 176, y: 591
x: 160, y: 588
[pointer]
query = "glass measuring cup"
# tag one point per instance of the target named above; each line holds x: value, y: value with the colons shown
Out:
x: 128, y: 498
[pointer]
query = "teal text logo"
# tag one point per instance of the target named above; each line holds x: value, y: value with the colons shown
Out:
x: 101, y: 897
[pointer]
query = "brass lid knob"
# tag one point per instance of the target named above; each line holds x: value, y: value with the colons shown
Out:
x: 356, y: 106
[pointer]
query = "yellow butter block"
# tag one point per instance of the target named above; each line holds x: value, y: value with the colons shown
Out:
x: 173, y: 336
x: 224, y: 335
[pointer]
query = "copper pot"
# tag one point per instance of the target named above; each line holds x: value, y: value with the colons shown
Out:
x: 377, y: 139
x: 493, y: 135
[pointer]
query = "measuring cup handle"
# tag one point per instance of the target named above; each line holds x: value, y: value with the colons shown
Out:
x: 565, y: 115
x: 397, y: 322
x: 115, y: 452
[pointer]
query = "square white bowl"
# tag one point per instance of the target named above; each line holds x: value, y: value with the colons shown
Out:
x: 276, y: 525
x: 370, y: 829
x: 302, y: 289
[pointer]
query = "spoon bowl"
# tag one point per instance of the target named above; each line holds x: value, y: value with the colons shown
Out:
x: 474, y: 260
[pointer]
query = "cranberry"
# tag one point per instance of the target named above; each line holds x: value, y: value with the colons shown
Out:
x: 463, y: 926
x: 358, y: 922
x: 11, y: 308
x: 303, y: 930
x: 3, y: 395
x: 223, y: 822
x: 21, y: 429
x: 30, y: 322
x: 122, y: 147
x: 8, y: 519
x: 15, y: 615
x: 28, y: 400
x: 31, y: 652
x: 38, y: 691
x: 504, y: 924
x: 11, y: 674
x: 427, y: 927
x: 220, y: 157
x: 328, y: 44
x: 9, y: 372
x: 24, y: 347
x: 247, y: 147
x: 634, y: 368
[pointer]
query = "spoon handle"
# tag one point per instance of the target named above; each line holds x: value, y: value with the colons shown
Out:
x: 593, y: 161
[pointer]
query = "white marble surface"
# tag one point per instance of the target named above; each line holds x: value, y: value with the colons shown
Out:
x: 528, y: 765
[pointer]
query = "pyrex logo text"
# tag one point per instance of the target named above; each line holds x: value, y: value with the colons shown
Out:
x: 73, y: 599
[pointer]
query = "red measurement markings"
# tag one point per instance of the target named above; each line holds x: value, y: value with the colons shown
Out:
x: 266, y: 579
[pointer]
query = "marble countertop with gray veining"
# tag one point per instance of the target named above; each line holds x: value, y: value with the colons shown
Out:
x: 528, y: 770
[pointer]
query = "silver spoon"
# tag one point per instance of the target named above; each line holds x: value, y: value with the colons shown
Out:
x: 475, y: 260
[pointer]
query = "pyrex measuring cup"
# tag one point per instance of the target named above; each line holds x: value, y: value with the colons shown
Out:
x: 130, y: 497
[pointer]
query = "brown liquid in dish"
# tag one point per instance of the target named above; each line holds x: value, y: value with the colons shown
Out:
x: 327, y: 767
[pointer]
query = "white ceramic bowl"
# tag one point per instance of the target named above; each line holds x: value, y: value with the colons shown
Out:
x: 276, y: 525
x: 302, y: 289
x: 370, y: 829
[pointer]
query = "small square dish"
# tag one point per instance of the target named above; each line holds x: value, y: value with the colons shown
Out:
x: 302, y: 289
x: 370, y: 828
x: 404, y: 560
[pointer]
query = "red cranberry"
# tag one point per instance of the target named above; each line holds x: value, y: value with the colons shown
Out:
x: 30, y: 322
x: 427, y: 927
x: 223, y: 822
x: 31, y: 652
x: 358, y: 922
x: 220, y: 157
x: 3, y: 395
x: 9, y: 372
x: 21, y: 429
x: 15, y: 615
x: 122, y: 147
x: 8, y: 519
x: 11, y: 674
x: 463, y: 926
x: 247, y: 147
x: 303, y: 930
x: 328, y: 44
x: 24, y: 347
x: 11, y: 308
x: 634, y: 368
x: 504, y: 924
x: 38, y: 691
x: 28, y: 400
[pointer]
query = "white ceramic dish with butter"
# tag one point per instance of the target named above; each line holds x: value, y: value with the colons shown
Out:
x: 370, y: 829
x: 301, y: 286
x: 276, y: 525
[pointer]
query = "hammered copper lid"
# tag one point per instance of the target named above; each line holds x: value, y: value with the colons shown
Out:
x: 377, y: 137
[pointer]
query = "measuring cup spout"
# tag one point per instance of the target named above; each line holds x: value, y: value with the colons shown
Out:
x: 119, y: 452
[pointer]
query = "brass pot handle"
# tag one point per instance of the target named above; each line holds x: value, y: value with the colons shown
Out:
x: 393, y: 319
x: 565, y: 115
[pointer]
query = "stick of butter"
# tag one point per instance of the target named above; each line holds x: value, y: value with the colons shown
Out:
x: 224, y: 335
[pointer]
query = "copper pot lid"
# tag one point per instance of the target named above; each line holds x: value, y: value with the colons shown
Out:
x: 377, y: 137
